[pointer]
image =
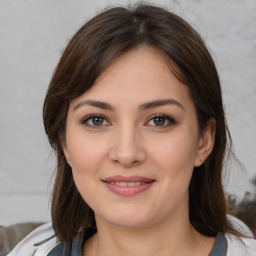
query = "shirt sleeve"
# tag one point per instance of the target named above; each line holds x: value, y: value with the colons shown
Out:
x: 238, y: 246
x: 38, y: 243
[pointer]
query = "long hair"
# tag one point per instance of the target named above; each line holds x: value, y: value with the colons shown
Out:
x: 93, y: 48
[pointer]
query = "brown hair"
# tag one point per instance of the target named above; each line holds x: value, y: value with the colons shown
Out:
x: 96, y: 44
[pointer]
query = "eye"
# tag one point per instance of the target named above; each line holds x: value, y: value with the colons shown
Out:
x: 95, y: 121
x: 161, y: 120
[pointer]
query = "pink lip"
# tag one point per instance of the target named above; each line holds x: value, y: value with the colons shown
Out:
x: 126, y: 190
x: 127, y: 179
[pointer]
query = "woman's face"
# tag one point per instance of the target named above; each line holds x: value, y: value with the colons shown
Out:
x: 133, y: 141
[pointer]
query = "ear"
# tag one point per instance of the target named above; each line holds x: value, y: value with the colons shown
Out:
x: 205, y: 143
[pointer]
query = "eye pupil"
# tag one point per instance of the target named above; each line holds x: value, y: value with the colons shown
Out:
x: 159, y: 121
x: 97, y: 120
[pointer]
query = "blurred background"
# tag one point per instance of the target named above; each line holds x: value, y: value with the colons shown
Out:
x: 33, y: 34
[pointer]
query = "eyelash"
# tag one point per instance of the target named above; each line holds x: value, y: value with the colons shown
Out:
x: 90, y: 117
x: 170, y: 120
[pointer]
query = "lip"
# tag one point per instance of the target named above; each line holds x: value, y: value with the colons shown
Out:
x: 120, y: 178
x: 128, y: 190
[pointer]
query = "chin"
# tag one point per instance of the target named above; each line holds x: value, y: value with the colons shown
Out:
x: 128, y: 219
x: 130, y: 223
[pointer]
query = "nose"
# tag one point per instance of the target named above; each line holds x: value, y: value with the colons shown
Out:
x: 127, y: 149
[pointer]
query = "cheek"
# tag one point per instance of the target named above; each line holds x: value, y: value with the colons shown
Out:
x: 87, y: 159
x: 174, y: 158
x: 177, y: 150
x: 86, y: 152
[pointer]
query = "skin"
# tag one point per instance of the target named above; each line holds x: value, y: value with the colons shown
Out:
x: 129, y: 141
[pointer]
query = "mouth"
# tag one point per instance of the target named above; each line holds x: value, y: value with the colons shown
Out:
x: 128, y: 186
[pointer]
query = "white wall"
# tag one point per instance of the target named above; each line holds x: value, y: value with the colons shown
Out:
x: 32, y: 35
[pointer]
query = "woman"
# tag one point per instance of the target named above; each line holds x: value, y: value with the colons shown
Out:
x: 134, y: 112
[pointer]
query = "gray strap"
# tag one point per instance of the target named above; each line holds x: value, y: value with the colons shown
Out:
x: 220, y: 247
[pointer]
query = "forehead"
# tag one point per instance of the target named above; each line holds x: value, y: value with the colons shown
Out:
x: 141, y: 74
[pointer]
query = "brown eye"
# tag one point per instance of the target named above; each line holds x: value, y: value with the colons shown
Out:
x: 161, y: 121
x: 95, y: 121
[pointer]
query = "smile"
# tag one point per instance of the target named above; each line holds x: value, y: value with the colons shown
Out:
x: 128, y: 186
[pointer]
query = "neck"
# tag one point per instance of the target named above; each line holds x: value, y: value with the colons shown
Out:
x: 180, y: 238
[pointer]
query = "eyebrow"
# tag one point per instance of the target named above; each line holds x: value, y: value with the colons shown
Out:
x: 159, y: 103
x: 144, y: 106
x: 94, y: 103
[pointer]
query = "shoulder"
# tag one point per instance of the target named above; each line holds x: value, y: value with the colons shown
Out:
x: 38, y: 243
x: 240, y: 246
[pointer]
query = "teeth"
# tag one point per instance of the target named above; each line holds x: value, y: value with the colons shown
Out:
x: 127, y: 184
x: 131, y: 184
